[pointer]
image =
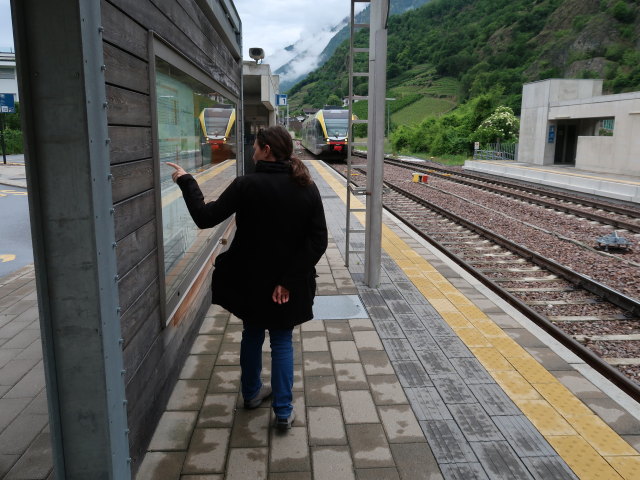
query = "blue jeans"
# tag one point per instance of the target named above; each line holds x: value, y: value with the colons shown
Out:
x: 281, y: 366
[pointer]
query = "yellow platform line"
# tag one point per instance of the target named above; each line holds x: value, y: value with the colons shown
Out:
x: 589, y: 446
x: 202, y: 178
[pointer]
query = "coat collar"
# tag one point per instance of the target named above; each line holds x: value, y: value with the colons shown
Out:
x: 273, y: 167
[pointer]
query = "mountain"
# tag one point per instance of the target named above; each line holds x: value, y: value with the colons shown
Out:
x: 497, y: 45
x: 303, y: 57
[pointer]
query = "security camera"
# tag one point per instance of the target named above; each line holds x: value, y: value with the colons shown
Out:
x: 257, y: 54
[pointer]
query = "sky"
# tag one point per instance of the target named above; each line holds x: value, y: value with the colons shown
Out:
x: 271, y: 25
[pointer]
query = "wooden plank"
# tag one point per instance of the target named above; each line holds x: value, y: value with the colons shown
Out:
x: 138, y: 346
x: 130, y: 321
x: 129, y: 143
x: 135, y: 246
x: 148, y: 14
x: 134, y: 212
x: 127, y: 107
x: 122, y: 31
x: 125, y: 70
x: 131, y: 178
x: 136, y: 281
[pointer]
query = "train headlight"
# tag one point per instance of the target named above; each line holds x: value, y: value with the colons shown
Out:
x: 224, y: 139
x: 328, y: 141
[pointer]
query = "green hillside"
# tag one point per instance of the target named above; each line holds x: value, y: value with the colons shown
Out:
x: 457, y: 50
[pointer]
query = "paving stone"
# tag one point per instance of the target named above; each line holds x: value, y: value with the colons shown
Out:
x: 173, y: 431
x: 422, y: 340
x: 33, y: 351
x: 8, y: 354
x: 217, y: 410
x: 298, y: 378
x: 314, y: 342
x: 332, y: 463
x: 389, y: 329
x: 386, y: 390
x: 367, y: 340
x: 453, y: 347
x: 447, y: 442
x: 453, y: 389
x: 38, y: 405
x: 614, y: 415
x: 358, y: 406
x: 344, y: 351
x: 300, y: 409
x: 247, y: 463
x: 373, y: 298
x: 250, y: 428
x: 524, y: 337
x: 187, y: 395
x: 215, y: 324
x: 224, y: 379
x: 463, y: 471
x: 233, y: 334
x: 427, y: 404
x: 36, y: 462
x: 410, y: 322
x: 30, y: 385
x: 358, y: 324
x: 290, y: 476
x: 398, y: 349
x: 410, y: 293
x: 22, y: 339
x: 436, y: 363
x: 436, y: 326
x: 198, y: 367
x: 350, y: 376
x: 580, y: 386
x: 321, y: 391
x: 494, y: 400
x: 207, y: 451
x: 313, y: 326
x: 399, y: 307
x: 545, y: 468
x: 412, y: 374
x: 326, y: 426
x: 338, y: 330
x: 390, y: 293
x: 201, y: 477
x: 471, y: 370
x: 165, y: 465
x: 376, y: 362
x: 10, y: 408
x: 500, y: 461
x: 6, y: 462
x: 549, y: 359
x: 289, y: 451
x: 206, y: 345
x: 379, y: 313
x: 229, y: 354
x: 369, y: 447
x: 377, y: 474
x: 523, y: 437
x: 415, y: 461
x: 400, y: 424
x: 15, y: 369
x: 317, y: 363
x: 475, y: 423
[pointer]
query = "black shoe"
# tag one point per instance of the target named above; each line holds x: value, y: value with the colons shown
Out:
x: 255, y: 402
x: 284, y: 424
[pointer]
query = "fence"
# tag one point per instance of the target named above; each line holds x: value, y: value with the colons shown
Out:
x: 497, y: 151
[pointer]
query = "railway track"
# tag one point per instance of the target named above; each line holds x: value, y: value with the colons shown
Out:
x: 593, y: 319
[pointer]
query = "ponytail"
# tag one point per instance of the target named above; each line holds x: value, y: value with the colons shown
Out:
x: 299, y: 172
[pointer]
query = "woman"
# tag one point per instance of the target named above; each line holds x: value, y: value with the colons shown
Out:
x: 267, y: 277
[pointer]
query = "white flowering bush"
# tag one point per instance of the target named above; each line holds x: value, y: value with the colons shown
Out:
x: 501, y: 126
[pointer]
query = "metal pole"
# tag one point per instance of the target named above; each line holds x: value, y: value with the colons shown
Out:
x: 375, y: 143
x: 4, y: 154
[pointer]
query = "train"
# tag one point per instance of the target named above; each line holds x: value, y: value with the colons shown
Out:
x: 217, y: 132
x: 326, y: 133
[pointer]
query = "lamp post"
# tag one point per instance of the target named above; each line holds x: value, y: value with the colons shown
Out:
x: 388, y: 99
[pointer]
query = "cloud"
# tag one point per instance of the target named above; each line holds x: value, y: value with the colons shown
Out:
x: 275, y: 24
x: 6, y: 35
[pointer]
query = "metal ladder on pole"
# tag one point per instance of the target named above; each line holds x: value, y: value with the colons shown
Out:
x: 351, y: 188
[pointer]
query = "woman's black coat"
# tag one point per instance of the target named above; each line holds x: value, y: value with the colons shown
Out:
x: 281, y: 233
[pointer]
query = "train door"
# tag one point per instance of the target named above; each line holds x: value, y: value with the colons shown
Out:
x: 566, y: 144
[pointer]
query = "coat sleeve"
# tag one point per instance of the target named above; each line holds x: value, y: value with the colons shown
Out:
x: 207, y: 215
x: 315, y: 244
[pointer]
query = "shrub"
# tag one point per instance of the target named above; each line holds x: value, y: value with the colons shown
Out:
x: 501, y: 125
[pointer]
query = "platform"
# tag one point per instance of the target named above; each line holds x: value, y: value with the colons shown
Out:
x: 428, y: 376
x: 620, y: 187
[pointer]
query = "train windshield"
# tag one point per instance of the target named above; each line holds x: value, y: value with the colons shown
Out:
x: 216, y: 121
x: 337, y: 123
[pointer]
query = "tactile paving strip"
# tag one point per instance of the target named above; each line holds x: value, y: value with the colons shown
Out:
x: 519, y: 383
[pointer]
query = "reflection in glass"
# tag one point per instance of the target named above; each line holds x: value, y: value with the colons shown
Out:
x: 196, y: 130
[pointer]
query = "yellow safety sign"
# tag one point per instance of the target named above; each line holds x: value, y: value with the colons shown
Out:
x: 4, y: 193
x: 7, y: 258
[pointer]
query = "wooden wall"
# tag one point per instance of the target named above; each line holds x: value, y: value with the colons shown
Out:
x: 153, y: 353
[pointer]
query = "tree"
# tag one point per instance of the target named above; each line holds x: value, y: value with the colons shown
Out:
x: 334, y: 100
x: 501, y: 125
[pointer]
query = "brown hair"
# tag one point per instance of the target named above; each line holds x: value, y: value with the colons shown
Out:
x: 281, y: 145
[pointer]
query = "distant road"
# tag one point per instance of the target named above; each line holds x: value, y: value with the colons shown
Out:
x: 15, y: 230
